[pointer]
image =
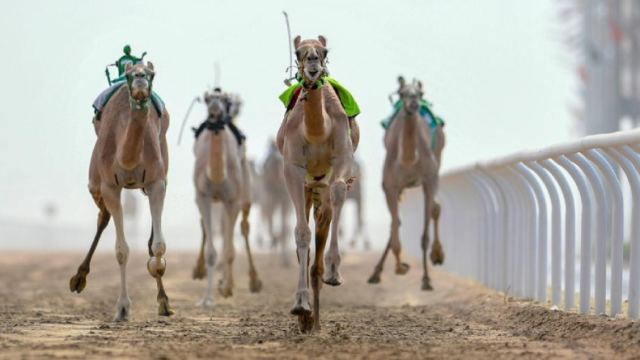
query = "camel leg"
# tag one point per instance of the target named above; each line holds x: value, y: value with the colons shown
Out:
x: 294, y: 178
x: 199, y: 271
x: 79, y: 281
x: 391, y: 194
x: 111, y: 196
x: 428, y: 201
x: 337, y: 195
x: 204, y: 205
x: 157, y: 264
x: 255, y: 285
x: 228, y: 250
x: 437, y: 254
x: 323, y: 222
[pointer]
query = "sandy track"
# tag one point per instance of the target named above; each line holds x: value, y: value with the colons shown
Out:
x: 40, y: 318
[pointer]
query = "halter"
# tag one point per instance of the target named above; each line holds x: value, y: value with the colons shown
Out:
x: 140, y: 104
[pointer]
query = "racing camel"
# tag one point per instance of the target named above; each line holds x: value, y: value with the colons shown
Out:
x: 315, y: 141
x: 222, y: 175
x: 130, y: 153
x: 414, y: 142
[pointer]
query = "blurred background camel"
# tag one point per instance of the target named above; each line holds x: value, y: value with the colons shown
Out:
x: 274, y: 201
x: 221, y: 174
x: 413, y: 159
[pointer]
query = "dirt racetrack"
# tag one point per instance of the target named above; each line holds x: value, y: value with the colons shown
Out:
x: 40, y: 318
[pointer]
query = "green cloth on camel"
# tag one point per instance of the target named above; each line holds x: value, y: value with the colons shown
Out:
x: 425, y: 112
x: 425, y: 109
x: 348, y: 101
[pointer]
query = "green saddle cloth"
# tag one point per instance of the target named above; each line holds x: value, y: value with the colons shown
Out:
x: 348, y: 101
x: 425, y: 112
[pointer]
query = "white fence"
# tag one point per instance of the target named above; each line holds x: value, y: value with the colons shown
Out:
x: 496, y: 216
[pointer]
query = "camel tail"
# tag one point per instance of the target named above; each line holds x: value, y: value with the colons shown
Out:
x: 217, y: 168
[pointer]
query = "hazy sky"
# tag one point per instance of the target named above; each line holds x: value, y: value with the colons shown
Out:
x: 495, y: 70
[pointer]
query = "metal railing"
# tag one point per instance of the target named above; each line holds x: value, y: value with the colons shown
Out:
x: 496, y: 215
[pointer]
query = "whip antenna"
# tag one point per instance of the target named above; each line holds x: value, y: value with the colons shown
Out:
x: 291, y: 77
x: 195, y: 100
x: 216, y: 81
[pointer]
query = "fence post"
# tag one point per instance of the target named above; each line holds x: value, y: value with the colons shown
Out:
x: 601, y: 232
x: 556, y: 235
x: 570, y: 234
x: 585, y: 233
x: 616, y: 231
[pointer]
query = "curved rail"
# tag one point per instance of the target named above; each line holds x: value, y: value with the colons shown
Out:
x: 504, y: 214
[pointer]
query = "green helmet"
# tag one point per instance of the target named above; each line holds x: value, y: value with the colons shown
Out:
x: 127, y: 58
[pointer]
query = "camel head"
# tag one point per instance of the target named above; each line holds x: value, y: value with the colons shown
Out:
x: 140, y: 83
x: 312, y: 58
x: 411, y: 95
x: 216, y: 103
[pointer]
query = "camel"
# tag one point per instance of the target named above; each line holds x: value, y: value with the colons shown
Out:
x: 130, y: 153
x: 275, y: 197
x: 221, y: 174
x: 412, y: 160
x: 318, y: 156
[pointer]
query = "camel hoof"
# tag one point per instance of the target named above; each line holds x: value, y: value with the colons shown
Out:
x: 123, y: 310
x: 375, y: 278
x: 164, y: 308
x: 333, y: 277
x: 333, y: 281
x: 225, y: 291
x: 79, y: 281
x: 123, y: 315
x: 402, y: 269
x: 306, y: 323
x: 255, y: 285
x: 199, y: 272
x: 426, y: 285
x: 437, y: 255
x: 206, y: 301
x: 302, y: 306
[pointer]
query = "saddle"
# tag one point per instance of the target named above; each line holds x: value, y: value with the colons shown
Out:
x: 425, y: 112
x: 290, y: 97
x: 217, y: 126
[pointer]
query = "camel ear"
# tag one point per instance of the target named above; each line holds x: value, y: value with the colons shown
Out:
x: 150, y: 65
x: 204, y: 96
x: 322, y: 40
x: 128, y: 67
x: 296, y: 42
x: 420, y: 85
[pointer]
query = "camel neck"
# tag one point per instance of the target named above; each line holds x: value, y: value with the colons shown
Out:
x: 409, y: 140
x: 131, y: 150
x: 314, y: 120
x: 217, y: 167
